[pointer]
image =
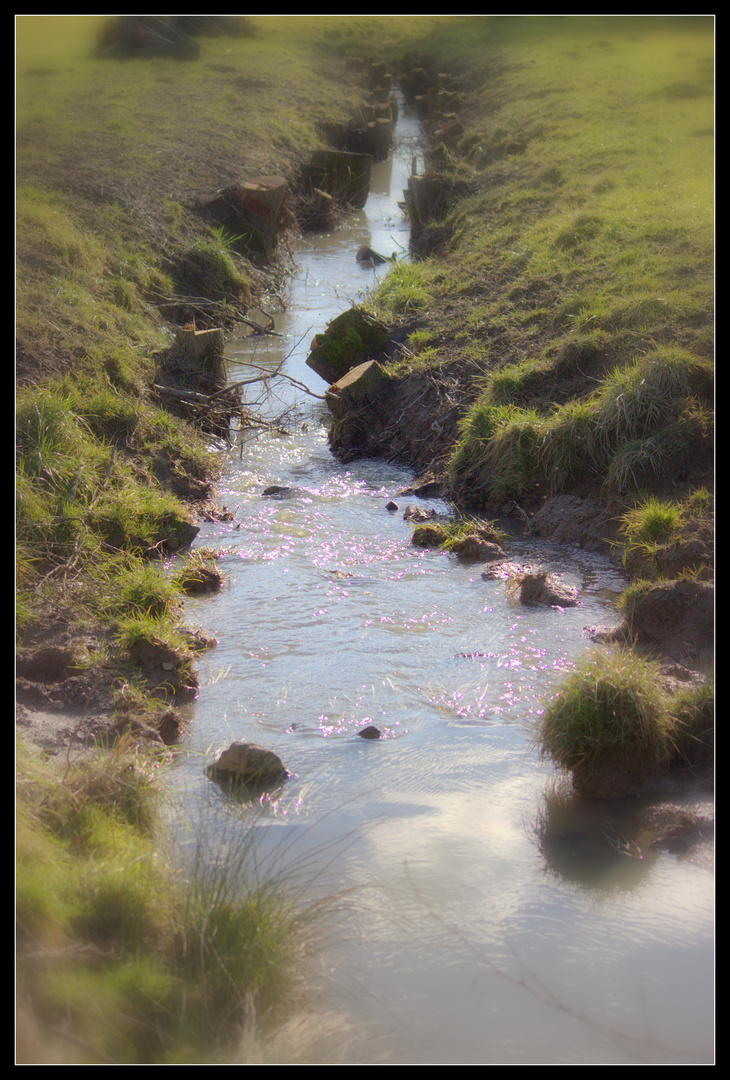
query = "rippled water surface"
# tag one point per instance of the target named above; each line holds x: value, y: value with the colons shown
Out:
x: 484, y: 916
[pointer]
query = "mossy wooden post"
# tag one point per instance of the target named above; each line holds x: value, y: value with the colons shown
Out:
x: 252, y: 206
x: 203, y: 350
x: 379, y: 137
x: 424, y: 197
x: 350, y: 339
x: 451, y: 129
x: 379, y: 75
x: 363, y: 385
x: 344, y: 175
x: 261, y: 201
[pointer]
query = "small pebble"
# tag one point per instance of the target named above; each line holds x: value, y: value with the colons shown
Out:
x: 370, y: 732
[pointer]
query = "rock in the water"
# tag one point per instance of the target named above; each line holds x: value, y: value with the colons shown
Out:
x: 370, y: 732
x: 367, y: 257
x: 425, y: 488
x: 546, y: 588
x: 248, y: 764
x: 351, y: 339
x: 429, y: 536
x: 417, y: 513
x: 475, y: 547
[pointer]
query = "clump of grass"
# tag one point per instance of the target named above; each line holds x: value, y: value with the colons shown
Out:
x: 694, y: 713
x: 461, y: 527
x: 514, y: 450
x: 634, y: 593
x: 140, y: 588
x: 645, y: 417
x: 519, y: 383
x: 213, y: 262
x: 450, y: 534
x: 404, y: 289
x: 579, y: 232
x: 699, y: 503
x: 199, y: 573
x: 653, y: 521
x: 420, y: 341
x: 648, y: 528
x: 566, y: 454
x: 609, y: 724
x: 119, y: 958
x: 147, y: 520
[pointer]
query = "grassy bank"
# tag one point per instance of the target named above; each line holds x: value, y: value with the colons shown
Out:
x: 572, y: 261
x: 113, y: 254
x: 118, y: 961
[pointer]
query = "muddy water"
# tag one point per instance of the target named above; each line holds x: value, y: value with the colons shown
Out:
x: 484, y: 916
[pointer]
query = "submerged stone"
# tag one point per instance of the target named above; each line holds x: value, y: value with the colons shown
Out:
x: 545, y: 588
x: 370, y: 732
x: 477, y: 548
x: 248, y: 764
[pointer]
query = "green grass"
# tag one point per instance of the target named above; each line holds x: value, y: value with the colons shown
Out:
x: 647, y: 418
x: 404, y: 289
x: 611, y: 713
x: 694, y: 712
x: 653, y: 525
x: 175, y: 963
x: 448, y: 534
x: 198, y: 573
x: 653, y: 521
x: 613, y: 724
x: 579, y: 267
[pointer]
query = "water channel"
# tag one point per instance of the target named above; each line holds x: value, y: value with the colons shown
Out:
x: 484, y: 917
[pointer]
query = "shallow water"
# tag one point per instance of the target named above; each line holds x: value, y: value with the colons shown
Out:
x: 484, y: 916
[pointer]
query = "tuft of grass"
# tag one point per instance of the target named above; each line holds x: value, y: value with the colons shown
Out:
x: 214, y: 258
x: 652, y: 521
x: 699, y: 503
x: 142, y: 589
x: 645, y: 417
x: 694, y: 713
x: 404, y: 289
x: 199, y: 573
x: 120, y: 959
x: 610, y: 718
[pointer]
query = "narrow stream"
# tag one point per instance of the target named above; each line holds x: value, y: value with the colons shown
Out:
x: 484, y: 918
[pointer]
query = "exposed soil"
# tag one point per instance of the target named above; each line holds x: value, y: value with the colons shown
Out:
x: 69, y: 698
x: 674, y: 619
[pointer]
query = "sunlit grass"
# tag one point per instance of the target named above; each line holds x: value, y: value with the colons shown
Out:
x: 611, y: 713
x: 174, y: 962
x: 590, y: 213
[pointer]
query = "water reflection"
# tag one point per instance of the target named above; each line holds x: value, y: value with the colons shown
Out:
x: 589, y: 844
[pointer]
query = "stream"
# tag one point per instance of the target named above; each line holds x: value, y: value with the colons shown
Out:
x: 482, y: 915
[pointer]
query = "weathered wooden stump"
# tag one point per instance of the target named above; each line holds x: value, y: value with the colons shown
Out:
x: 342, y: 174
x: 363, y: 385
